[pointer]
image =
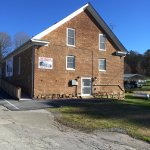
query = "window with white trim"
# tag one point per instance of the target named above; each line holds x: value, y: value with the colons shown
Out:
x: 19, y: 66
x: 102, y: 42
x: 70, y: 37
x: 70, y: 62
x: 102, y: 64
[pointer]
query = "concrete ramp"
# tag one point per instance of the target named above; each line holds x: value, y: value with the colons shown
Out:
x: 25, y: 97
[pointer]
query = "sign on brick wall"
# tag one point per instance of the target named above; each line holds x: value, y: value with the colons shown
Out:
x: 9, y: 67
x: 45, y: 63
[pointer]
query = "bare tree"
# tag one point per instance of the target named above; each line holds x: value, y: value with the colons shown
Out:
x: 5, y: 44
x: 20, y: 38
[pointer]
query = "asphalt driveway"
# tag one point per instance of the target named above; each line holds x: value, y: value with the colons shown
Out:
x: 14, y: 105
x: 37, y: 130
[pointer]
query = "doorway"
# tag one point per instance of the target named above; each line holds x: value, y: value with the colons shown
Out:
x: 86, y: 86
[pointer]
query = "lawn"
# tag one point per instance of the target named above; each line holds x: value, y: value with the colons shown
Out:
x: 132, y: 115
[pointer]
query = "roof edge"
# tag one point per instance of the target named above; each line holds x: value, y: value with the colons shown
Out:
x: 95, y: 15
x: 25, y: 46
x: 53, y: 27
x: 106, y: 28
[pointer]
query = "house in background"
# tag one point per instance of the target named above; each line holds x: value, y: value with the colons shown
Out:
x: 79, y: 55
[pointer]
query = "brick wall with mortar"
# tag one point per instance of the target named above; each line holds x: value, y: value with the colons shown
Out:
x: 87, y: 30
x: 24, y: 79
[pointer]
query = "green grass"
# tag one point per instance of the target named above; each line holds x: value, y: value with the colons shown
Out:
x: 133, y: 115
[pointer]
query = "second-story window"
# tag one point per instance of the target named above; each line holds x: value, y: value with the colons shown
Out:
x: 70, y: 37
x: 102, y: 42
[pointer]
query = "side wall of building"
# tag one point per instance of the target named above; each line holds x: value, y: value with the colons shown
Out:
x: 87, y: 55
x: 24, y: 79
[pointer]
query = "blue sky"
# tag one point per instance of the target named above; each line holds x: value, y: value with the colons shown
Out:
x: 130, y: 18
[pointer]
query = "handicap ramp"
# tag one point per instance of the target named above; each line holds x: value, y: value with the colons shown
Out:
x: 25, y: 97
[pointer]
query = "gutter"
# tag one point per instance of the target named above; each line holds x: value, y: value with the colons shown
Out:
x: 24, y: 46
x: 119, y: 53
x: 32, y: 72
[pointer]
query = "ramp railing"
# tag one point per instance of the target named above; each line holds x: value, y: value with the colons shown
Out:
x: 12, y: 90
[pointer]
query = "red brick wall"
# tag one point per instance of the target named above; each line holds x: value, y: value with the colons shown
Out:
x: 87, y: 30
x: 21, y: 80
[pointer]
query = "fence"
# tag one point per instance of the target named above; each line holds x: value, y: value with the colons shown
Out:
x: 12, y: 90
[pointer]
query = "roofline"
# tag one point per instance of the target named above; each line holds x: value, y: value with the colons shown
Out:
x: 106, y: 28
x: 95, y: 15
x: 25, y: 46
x: 40, y: 35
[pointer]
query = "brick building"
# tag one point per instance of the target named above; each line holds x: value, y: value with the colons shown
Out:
x: 81, y: 47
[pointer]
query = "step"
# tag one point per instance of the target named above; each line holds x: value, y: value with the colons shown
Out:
x: 87, y: 97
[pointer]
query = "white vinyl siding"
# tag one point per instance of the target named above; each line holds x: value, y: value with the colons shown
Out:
x: 70, y: 37
x: 19, y: 61
x: 102, y: 42
x: 70, y: 62
x: 102, y: 64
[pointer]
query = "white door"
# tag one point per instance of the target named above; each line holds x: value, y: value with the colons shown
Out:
x: 86, y: 86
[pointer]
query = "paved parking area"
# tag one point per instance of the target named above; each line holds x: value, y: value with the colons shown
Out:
x: 14, y: 105
x: 37, y: 130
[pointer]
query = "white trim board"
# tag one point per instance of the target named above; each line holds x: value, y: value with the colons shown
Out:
x: 89, y: 7
x: 25, y: 46
x: 45, y: 32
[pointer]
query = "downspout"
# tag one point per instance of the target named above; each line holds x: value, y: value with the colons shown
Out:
x: 123, y: 73
x: 1, y: 70
x: 33, y: 72
x: 92, y: 74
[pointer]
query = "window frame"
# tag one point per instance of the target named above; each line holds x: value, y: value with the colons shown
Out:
x: 19, y: 61
x: 74, y: 37
x: 101, y: 42
x: 104, y: 64
x: 73, y: 62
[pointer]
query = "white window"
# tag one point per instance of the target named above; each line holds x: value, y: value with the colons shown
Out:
x: 70, y: 62
x: 102, y: 64
x: 102, y: 41
x: 19, y: 65
x: 70, y: 37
